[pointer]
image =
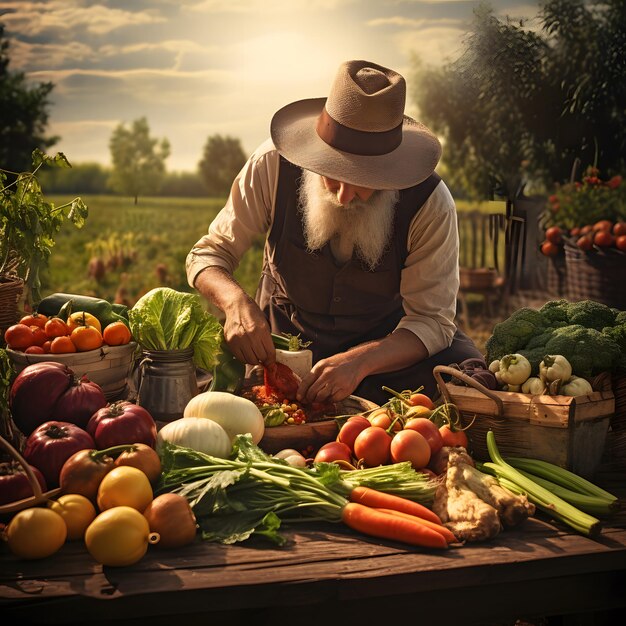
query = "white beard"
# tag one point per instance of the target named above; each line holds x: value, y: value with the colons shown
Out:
x: 361, y: 227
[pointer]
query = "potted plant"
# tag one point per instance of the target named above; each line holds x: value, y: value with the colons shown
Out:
x: 585, y: 229
x: 28, y: 227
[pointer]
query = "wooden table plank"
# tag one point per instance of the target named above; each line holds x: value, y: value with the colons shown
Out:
x: 540, y: 566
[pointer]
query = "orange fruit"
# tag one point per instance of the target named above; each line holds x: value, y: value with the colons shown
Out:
x: 116, y: 334
x: 19, y: 337
x: 82, y: 318
x: 34, y: 319
x: 62, y: 345
x: 56, y: 327
x: 86, y: 338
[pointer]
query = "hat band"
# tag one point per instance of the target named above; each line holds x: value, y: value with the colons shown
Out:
x: 359, y: 142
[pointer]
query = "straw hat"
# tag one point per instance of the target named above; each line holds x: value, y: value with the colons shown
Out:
x: 359, y: 134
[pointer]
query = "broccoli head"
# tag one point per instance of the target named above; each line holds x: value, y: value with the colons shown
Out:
x: 620, y: 318
x: 534, y: 356
x: 514, y: 333
x: 617, y: 334
x: 588, y: 350
x: 590, y: 314
x: 555, y: 311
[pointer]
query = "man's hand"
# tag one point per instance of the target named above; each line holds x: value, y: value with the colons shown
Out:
x: 335, y: 378
x: 332, y: 379
x: 248, y: 334
x: 246, y: 331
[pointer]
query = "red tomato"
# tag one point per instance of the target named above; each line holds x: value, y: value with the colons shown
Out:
x: 35, y: 319
x: 603, y: 225
x: 603, y: 238
x: 14, y: 483
x: 587, y: 228
x: 39, y: 335
x: 575, y: 232
x: 333, y: 451
x: 553, y: 235
x: 350, y: 430
x: 51, y: 444
x: 372, y: 446
x: 620, y: 243
x: 453, y: 437
x: 549, y: 249
x: 19, y: 337
x: 584, y: 243
x: 409, y: 445
x: 122, y: 422
x: 421, y: 399
x: 34, y: 350
x: 619, y: 229
x: 56, y: 327
x: 382, y: 420
x: 428, y: 430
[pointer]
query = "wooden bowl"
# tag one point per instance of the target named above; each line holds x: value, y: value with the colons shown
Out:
x: 315, y: 434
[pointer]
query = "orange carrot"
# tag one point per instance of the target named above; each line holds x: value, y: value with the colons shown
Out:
x: 446, y: 532
x: 375, y: 523
x: 380, y: 500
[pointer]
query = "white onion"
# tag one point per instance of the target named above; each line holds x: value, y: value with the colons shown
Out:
x: 198, y: 434
x: 236, y: 415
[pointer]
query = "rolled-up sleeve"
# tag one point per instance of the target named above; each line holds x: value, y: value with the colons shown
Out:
x: 430, y: 278
x: 246, y: 215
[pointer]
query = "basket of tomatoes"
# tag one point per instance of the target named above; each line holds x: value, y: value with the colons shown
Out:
x: 103, y: 353
x: 593, y: 261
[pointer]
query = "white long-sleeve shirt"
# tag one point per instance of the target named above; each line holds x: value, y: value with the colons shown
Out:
x: 430, y: 278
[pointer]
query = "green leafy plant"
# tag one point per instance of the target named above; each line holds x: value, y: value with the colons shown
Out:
x: 29, y: 224
x: 588, y: 201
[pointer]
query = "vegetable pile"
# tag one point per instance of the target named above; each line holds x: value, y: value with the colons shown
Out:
x: 252, y: 493
x: 64, y: 333
x: 589, y: 334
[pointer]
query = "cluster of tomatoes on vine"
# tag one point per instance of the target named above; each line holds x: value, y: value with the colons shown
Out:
x: 407, y: 428
x: 603, y: 234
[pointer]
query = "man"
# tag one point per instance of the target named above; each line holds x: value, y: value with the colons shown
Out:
x: 361, y: 256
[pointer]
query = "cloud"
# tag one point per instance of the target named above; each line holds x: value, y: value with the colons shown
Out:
x: 409, y: 22
x: 34, y: 19
x: 265, y: 6
x: 432, y: 45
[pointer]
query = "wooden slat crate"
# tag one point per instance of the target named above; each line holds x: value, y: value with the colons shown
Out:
x: 567, y: 431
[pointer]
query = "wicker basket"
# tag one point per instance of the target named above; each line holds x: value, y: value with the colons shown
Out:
x: 616, y: 438
x: 38, y: 496
x: 556, y: 276
x: 11, y: 289
x: 108, y: 366
x: 596, y: 276
x: 569, y: 432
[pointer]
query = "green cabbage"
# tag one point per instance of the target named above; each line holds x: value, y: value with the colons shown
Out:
x: 166, y: 319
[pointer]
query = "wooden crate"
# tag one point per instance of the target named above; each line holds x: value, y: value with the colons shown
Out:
x: 567, y: 431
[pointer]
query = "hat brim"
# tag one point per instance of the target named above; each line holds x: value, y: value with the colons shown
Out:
x: 293, y: 131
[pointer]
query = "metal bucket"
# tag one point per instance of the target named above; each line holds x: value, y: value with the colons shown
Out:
x: 167, y: 381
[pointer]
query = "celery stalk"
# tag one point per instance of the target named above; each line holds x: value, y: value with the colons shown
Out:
x: 560, y: 476
x: 539, y: 495
x: 589, y: 504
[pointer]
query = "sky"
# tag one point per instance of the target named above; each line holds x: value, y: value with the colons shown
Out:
x: 195, y: 68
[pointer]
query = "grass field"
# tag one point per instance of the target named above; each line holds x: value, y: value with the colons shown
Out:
x: 142, y: 246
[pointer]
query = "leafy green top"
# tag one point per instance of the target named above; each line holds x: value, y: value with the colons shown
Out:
x: 29, y: 224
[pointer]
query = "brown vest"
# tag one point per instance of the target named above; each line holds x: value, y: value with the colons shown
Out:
x: 335, y: 306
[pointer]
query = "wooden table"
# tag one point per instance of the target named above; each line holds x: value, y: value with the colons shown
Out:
x: 327, y: 574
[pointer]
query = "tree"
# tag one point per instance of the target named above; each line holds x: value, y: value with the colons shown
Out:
x: 138, y: 160
x: 522, y: 104
x: 23, y: 115
x: 222, y: 159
